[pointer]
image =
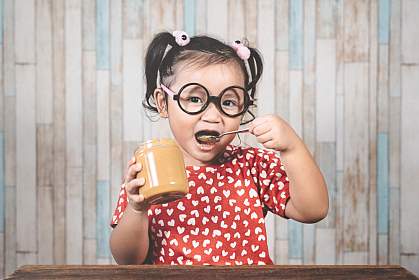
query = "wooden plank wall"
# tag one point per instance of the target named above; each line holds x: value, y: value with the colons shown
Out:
x: 344, y: 73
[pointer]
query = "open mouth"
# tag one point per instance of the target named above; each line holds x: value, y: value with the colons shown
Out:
x: 207, y: 136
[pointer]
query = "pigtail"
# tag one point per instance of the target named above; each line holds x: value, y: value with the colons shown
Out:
x: 153, y: 60
x: 256, y: 69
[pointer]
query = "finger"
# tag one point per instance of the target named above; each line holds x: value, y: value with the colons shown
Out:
x: 255, y: 123
x: 131, y: 162
x: 262, y: 129
x: 264, y: 138
x: 138, y: 202
x: 134, y: 185
x: 270, y: 144
x: 132, y: 171
x: 136, y: 199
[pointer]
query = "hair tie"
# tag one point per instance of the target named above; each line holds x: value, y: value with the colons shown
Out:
x: 181, y: 38
x: 242, y: 51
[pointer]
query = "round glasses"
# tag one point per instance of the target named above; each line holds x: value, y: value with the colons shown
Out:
x: 194, y: 98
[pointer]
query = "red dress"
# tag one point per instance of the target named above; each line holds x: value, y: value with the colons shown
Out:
x: 221, y: 221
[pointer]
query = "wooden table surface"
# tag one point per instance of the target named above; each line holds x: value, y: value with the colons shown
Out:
x: 211, y: 272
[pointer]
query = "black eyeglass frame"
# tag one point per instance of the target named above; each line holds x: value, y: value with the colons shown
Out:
x: 211, y: 99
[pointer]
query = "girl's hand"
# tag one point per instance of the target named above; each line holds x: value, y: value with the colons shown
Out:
x: 273, y: 133
x: 133, y: 185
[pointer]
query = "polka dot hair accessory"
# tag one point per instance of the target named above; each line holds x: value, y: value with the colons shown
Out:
x: 242, y: 51
x: 181, y: 38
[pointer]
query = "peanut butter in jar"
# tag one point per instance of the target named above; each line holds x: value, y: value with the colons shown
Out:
x: 163, y: 170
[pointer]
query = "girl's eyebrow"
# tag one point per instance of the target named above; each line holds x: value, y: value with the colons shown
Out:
x: 197, y: 86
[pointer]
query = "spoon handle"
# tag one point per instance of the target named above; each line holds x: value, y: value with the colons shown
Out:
x: 235, y: 131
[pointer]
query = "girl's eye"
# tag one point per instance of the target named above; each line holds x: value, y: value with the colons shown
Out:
x: 229, y: 103
x: 195, y: 99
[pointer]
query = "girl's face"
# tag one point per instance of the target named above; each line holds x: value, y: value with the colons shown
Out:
x: 185, y: 127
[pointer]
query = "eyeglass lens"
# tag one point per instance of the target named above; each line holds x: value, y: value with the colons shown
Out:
x: 194, y: 98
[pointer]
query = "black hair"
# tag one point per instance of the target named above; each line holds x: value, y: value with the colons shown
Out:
x: 202, y: 51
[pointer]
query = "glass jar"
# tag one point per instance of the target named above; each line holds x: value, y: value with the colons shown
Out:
x: 164, y: 171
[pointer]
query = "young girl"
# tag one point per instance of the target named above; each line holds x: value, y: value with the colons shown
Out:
x: 205, y: 87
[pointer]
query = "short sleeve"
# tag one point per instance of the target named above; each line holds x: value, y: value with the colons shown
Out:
x: 272, y: 181
x: 120, y: 207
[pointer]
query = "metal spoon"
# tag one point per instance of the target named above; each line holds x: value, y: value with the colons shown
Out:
x: 211, y: 139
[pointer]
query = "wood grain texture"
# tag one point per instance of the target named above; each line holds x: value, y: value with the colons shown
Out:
x: 2, y: 157
x: 90, y: 150
x: 394, y: 180
x: 282, y: 27
x: 394, y: 131
x: 73, y: 125
x: 132, y: 89
x: 58, y: 14
x: 326, y: 159
x: 409, y: 225
x: 251, y: 14
x: 236, y: 20
x: 373, y: 126
x: 295, y: 101
x: 395, y: 49
x: 309, y: 76
x: 45, y: 206
x: 281, y: 244
x: 24, y: 21
x: 211, y: 272
x: 282, y: 85
x: 73, y: 82
x: 1, y: 21
x: 26, y: 193
x: 296, y: 14
x: 217, y: 18
x: 74, y: 215
x: 384, y: 13
x: 325, y: 249
x: 190, y: 16
x: 309, y: 235
x: 44, y: 83
x: 45, y: 225
x: 340, y: 47
x: 325, y: 90
x: 326, y: 19
x: 103, y: 124
x: 133, y: 25
x: 2, y: 204
x: 266, y: 31
x: 89, y: 25
x: 102, y: 35
x: 339, y: 219
x: 10, y: 257
x: 409, y: 31
x: 356, y: 29
x: 201, y: 16
x: 356, y: 161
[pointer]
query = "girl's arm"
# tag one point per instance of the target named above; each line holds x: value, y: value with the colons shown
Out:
x: 129, y: 239
x: 309, y: 202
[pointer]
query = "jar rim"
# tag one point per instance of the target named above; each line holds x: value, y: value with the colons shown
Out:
x: 155, y: 143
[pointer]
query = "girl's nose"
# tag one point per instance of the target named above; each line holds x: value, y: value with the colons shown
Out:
x: 211, y: 114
